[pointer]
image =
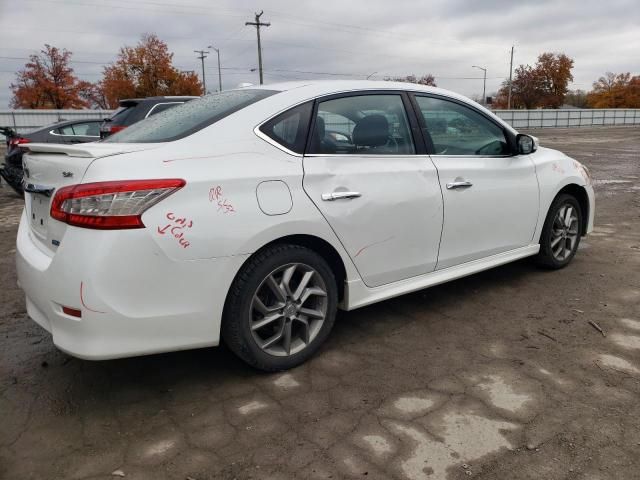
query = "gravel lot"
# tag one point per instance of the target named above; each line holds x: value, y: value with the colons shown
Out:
x: 496, y: 376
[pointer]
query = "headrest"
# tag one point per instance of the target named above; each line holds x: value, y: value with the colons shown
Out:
x: 371, y: 131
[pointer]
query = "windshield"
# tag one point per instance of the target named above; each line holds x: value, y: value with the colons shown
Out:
x: 189, y: 117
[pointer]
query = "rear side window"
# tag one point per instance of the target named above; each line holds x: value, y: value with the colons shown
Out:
x: 188, y: 118
x: 289, y: 129
x: 90, y: 129
x: 372, y: 124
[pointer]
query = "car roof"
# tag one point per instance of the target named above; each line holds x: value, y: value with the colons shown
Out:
x: 334, y: 86
x: 299, y: 91
x: 157, y: 99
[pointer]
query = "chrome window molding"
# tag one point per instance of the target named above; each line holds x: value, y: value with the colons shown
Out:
x: 271, y: 141
x: 157, y: 104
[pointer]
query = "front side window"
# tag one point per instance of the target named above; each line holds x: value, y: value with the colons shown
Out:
x: 455, y: 129
x: 290, y: 128
x: 188, y: 118
x: 362, y: 125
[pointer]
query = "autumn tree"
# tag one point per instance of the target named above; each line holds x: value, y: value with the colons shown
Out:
x: 554, y: 74
x: 145, y: 70
x: 543, y: 85
x: 423, y: 80
x: 47, y: 81
x: 615, y: 91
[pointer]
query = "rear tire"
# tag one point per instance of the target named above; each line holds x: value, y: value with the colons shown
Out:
x: 561, y: 233
x: 281, y: 307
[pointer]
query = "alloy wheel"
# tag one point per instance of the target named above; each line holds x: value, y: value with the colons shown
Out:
x: 288, y: 309
x: 564, y: 232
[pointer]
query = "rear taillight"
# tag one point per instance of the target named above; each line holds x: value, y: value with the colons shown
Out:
x: 116, y: 128
x: 110, y: 205
x: 18, y: 141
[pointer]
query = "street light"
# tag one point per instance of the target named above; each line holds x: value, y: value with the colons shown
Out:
x: 484, y: 84
x: 219, y: 71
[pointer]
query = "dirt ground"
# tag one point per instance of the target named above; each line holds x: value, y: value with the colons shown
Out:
x: 495, y: 376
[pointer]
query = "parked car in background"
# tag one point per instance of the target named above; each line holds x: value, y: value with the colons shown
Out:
x: 133, y: 110
x: 65, y: 132
x: 251, y: 215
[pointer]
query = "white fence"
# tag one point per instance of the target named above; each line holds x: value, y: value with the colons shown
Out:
x: 549, y: 118
x: 25, y: 120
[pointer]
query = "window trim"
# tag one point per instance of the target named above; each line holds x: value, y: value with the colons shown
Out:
x: 271, y: 141
x: 414, y: 128
x: 509, y: 137
x: 161, y: 103
x: 258, y: 129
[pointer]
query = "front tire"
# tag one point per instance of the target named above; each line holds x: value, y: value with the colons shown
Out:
x: 561, y: 233
x: 280, y: 308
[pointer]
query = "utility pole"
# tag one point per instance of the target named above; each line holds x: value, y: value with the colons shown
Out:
x: 484, y: 85
x: 510, y: 79
x: 259, y: 24
x: 219, y: 71
x: 202, y: 57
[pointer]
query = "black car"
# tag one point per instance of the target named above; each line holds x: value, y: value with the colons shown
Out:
x: 133, y: 110
x: 70, y: 131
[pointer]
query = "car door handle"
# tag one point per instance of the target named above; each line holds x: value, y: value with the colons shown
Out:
x: 459, y: 184
x: 330, y: 197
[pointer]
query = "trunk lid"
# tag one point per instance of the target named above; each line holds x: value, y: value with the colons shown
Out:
x: 48, y: 167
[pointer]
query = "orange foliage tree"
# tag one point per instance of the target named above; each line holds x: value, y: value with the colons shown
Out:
x: 47, y: 81
x: 615, y: 91
x: 145, y: 70
x: 544, y: 85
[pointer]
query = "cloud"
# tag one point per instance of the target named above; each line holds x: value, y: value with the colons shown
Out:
x: 334, y: 39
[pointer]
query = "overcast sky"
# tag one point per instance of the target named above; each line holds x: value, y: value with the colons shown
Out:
x: 331, y: 38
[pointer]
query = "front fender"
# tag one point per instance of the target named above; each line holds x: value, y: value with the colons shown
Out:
x: 555, y: 171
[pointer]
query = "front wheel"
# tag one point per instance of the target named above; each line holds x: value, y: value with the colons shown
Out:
x: 280, y: 308
x: 561, y: 233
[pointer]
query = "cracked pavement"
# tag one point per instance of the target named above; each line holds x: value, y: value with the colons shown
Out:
x: 498, y: 375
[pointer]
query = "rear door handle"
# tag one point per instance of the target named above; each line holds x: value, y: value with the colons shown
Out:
x: 459, y: 184
x: 330, y: 197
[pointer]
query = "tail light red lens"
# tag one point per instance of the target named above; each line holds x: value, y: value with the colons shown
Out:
x: 116, y: 128
x: 110, y: 205
x: 18, y: 141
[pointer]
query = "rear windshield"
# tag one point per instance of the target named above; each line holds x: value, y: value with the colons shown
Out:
x: 121, y: 115
x: 189, y: 117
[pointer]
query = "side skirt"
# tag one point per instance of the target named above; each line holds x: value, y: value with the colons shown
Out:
x: 358, y: 295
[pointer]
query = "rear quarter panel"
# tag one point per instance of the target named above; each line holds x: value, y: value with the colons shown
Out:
x: 217, y: 213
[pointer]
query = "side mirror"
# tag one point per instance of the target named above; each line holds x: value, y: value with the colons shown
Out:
x: 526, y: 144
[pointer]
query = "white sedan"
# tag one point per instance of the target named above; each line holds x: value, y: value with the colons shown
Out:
x: 252, y: 215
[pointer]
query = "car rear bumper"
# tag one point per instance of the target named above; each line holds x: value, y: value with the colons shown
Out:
x: 133, y: 299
